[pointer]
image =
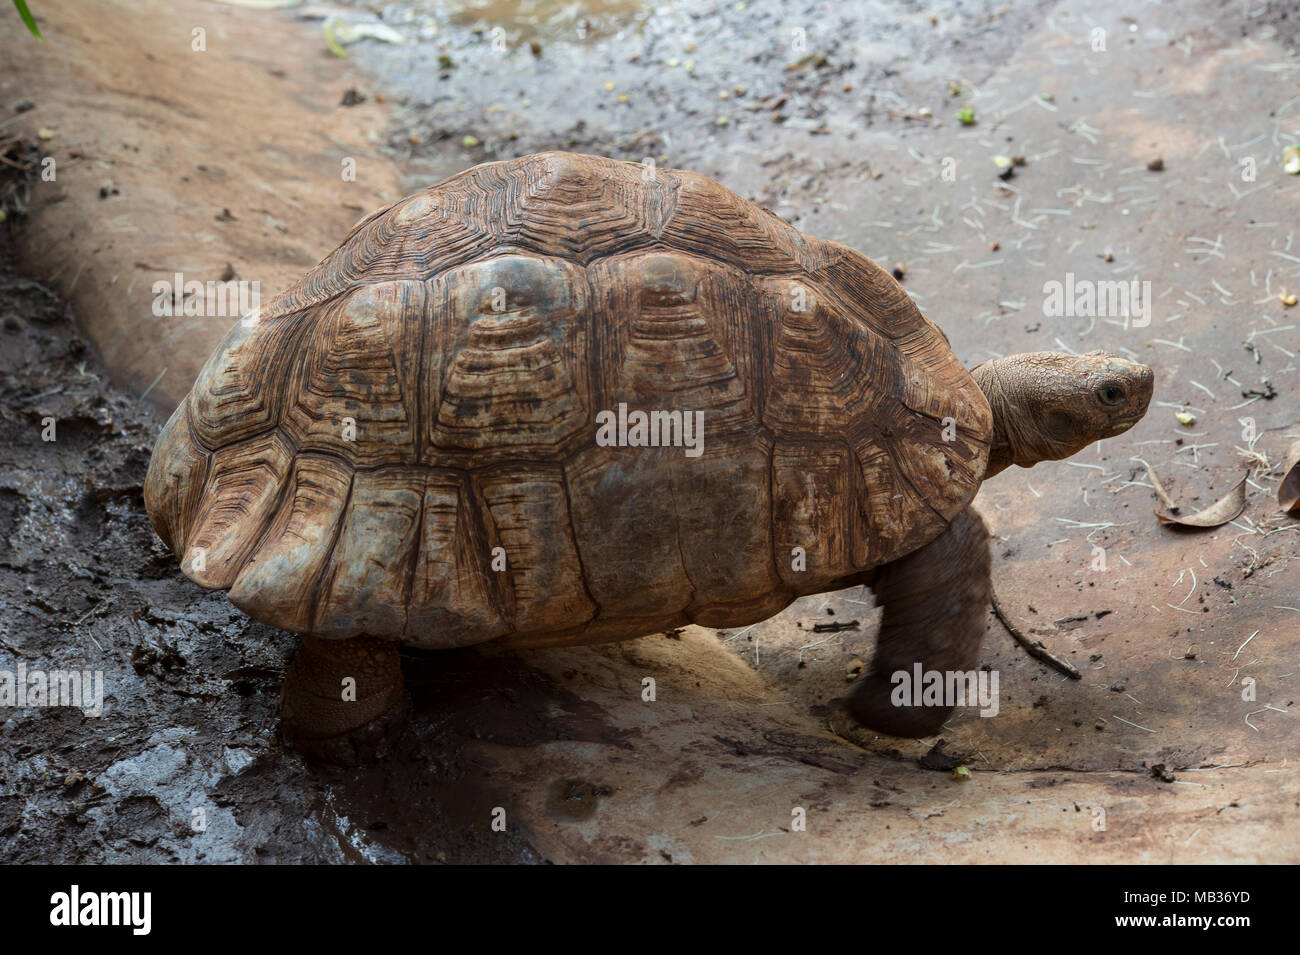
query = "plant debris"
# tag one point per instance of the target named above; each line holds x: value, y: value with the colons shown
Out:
x: 1288, y: 492
x: 1226, y: 508
x: 834, y: 627
x: 1035, y: 649
x: 1291, y: 160
x: 1268, y: 392
x: 1161, y: 493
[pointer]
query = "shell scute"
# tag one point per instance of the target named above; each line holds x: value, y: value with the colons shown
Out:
x: 174, y: 482
x: 676, y: 337
x: 232, y: 399
x: 279, y: 582
x: 532, y: 526
x: 513, y: 371
x: 365, y: 585
x: 355, y: 390
x: 719, y: 225
x: 813, y: 505
x: 243, y: 485
x: 452, y: 601
x: 551, y: 204
x: 826, y: 370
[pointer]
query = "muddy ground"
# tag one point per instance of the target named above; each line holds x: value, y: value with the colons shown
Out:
x: 846, y: 137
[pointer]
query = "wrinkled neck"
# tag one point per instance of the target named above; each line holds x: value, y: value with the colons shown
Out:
x: 1008, y: 446
x: 999, y: 460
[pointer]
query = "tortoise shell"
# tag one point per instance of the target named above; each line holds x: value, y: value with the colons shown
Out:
x: 407, y: 443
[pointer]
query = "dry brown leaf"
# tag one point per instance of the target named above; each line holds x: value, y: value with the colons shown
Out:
x: 1288, y: 494
x: 1220, y: 512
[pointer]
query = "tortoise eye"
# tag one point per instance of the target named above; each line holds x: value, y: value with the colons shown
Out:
x: 1110, y: 395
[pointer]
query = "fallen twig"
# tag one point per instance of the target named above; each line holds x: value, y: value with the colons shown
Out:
x: 835, y: 627
x: 1033, y: 648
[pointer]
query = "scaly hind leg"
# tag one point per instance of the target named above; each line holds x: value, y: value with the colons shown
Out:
x: 344, y: 701
x: 936, y: 602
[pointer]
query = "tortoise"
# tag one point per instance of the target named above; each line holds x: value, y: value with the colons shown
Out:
x: 563, y: 399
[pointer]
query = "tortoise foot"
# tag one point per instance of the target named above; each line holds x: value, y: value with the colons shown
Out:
x: 344, y: 702
x: 869, y: 703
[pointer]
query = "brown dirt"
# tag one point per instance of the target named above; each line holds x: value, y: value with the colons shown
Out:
x: 225, y: 163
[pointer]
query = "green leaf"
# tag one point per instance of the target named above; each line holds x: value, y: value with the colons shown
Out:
x: 332, y: 41
x: 28, y: 19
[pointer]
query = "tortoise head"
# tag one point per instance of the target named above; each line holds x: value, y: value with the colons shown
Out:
x: 1048, y: 405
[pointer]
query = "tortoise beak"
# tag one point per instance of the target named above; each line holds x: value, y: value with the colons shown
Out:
x: 1142, y: 386
x: 1145, y: 385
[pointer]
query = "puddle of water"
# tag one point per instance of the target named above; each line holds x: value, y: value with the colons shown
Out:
x: 541, y: 20
x: 574, y: 799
